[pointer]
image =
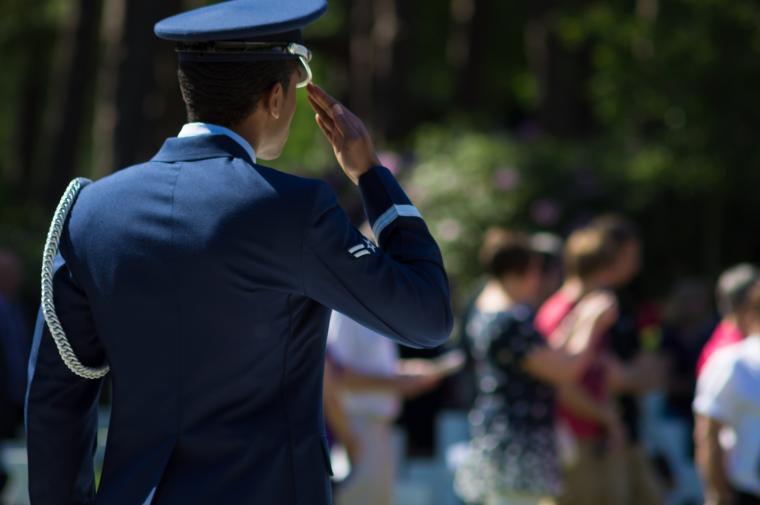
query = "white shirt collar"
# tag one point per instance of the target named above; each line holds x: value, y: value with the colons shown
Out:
x: 195, y: 129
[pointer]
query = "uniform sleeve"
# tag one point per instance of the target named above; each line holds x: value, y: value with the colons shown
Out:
x: 716, y: 394
x: 61, y: 407
x: 398, y: 288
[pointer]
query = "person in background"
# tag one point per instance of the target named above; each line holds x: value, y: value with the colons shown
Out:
x: 14, y: 349
x: 14, y: 344
x: 512, y: 457
x: 366, y: 376
x: 730, y: 293
x: 727, y: 408
x: 549, y: 247
x: 603, y: 469
x: 336, y: 419
x: 636, y: 369
x: 689, y: 320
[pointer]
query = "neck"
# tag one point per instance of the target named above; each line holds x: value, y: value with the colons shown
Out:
x: 494, y: 298
x: 514, y: 291
x: 249, y: 132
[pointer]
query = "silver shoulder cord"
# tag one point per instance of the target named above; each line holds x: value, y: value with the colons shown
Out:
x: 48, y: 269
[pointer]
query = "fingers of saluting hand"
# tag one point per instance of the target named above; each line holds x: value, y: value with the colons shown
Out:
x: 324, y: 113
x: 326, y: 129
x: 324, y: 106
x: 332, y: 119
x: 320, y: 96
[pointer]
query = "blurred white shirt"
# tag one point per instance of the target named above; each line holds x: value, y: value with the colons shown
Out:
x: 728, y: 390
x: 353, y: 346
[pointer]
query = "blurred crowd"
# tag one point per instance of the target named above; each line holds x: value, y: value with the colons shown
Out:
x: 579, y: 391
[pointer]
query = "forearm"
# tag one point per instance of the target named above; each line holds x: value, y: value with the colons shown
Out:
x: 334, y: 413
x: 645, y: 373
x: 710, y: 460
x: 584, y: 405
x: 351, y: 380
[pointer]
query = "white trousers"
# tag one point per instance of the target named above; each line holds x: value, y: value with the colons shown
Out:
x: 372, y: 477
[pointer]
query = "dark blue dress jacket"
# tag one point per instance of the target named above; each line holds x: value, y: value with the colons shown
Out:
x: 206, y: 282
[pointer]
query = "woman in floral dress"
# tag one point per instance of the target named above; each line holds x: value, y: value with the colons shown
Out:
x: 512, y: 459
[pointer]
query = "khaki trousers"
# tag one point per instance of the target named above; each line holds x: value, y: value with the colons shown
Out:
x: 372, y: 477
x: 609, y: 477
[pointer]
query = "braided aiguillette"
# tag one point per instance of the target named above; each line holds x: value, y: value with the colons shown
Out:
x: 48, y: 269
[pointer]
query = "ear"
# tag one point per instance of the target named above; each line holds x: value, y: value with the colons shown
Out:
x: 276, y: 100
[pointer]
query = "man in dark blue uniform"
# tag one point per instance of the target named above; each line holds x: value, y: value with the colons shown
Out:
x: 205, y: 281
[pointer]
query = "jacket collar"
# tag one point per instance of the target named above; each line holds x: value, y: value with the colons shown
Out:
x: 201, y: 147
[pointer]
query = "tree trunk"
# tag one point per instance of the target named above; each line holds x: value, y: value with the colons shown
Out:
x: 29, y: 123
x: 108, y: 78
x: 141, y: 101
x: 470, y: 86
x: 384, y: 36
x: 77, y: 99
x: 562, y: 74
x: 361, y: 51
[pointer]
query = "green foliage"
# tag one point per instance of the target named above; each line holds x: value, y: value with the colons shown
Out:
x: 307, y: 152
x: 465, y: 182
x: 669, y: 88
x: 672, y: 93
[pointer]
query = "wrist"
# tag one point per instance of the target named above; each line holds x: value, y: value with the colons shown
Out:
x: 369, y: 166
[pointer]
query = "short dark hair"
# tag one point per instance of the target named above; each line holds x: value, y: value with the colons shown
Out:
x: 751, y: 300
x: 225, y: 93
x: 596, y: 246
x: 506, y: 252
x: 618, y: 229
x: 733, y: 287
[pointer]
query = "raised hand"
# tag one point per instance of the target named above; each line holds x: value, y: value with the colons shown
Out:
x: 417, y: 376
x: 346, y: 133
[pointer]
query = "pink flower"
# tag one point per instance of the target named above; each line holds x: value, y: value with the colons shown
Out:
x: 506, y: 179
x: 390, y: 160
x: 449, y: 229
x: 545, y: 212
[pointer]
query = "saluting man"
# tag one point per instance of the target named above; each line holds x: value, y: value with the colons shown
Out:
x: 204, y: 280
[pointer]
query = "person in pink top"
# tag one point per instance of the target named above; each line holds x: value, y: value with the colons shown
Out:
x: 731, y: 292
x: 604, y: 467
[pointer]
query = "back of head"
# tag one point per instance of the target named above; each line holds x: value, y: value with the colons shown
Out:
x: 617, y: 229
x: 226, y: 92
x: 587, y: 252
x: 734, y: 286
x: 597, y: 246
x: 231, y: 53
x: 505, y: 253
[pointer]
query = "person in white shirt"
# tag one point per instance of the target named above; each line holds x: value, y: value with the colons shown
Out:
x: 371, y: 381
x: 727, y: 408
